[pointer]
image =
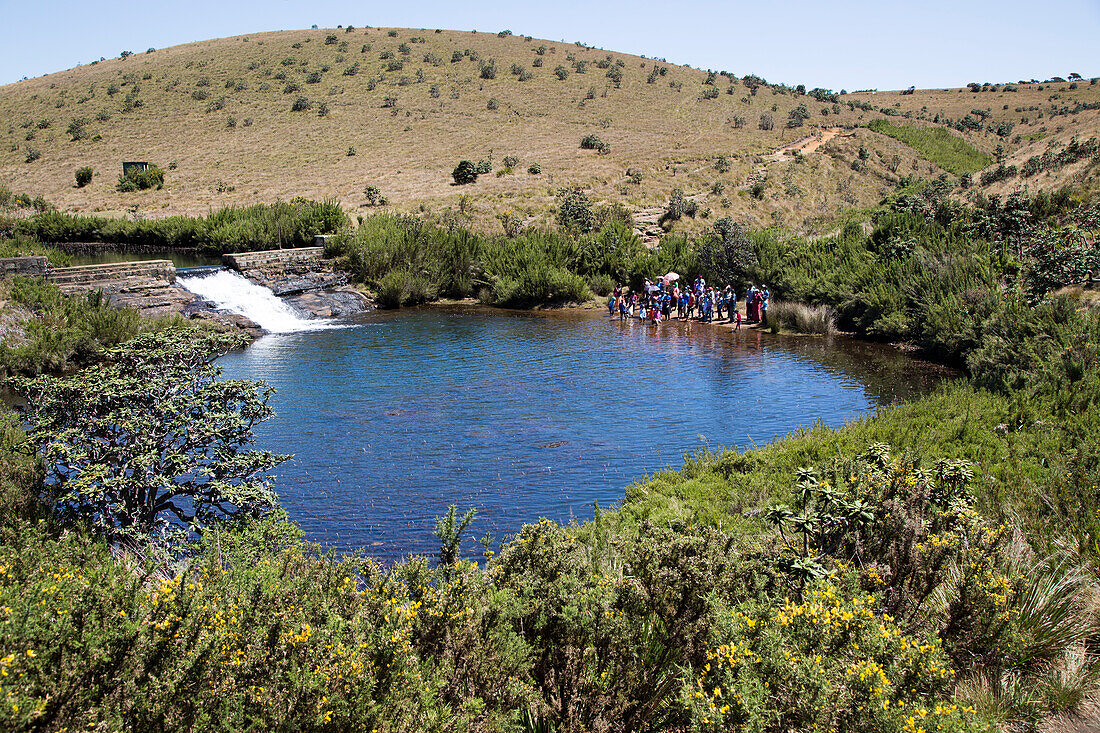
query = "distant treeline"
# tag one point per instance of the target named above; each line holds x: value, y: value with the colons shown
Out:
x: 232, y: 229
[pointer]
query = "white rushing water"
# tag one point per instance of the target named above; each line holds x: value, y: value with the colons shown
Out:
x: 229, y: 291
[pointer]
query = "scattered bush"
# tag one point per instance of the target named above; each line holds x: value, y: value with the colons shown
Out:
x: 465, y: 172
x: 591, y: 141
x: 534, y: 169
x: 83, y: 176
x: 374, y: 196
x: 301, y: 104
x: 77, y: 129
x: 797, y: 116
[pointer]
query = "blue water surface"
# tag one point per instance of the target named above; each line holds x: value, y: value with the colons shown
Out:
x: 528, y: 415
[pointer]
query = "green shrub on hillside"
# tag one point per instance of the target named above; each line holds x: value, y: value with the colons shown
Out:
x: 591, y: 141
x: 140, y: 180
x: 67, y: 330
x: 575, y: 210
x: 83, y: 176
x: 465, y: 172
x: 77, y: 129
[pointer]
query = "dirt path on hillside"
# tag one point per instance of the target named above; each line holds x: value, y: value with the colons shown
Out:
x: 646, y: 227
x: 645, y: 220
x: 806, y: 145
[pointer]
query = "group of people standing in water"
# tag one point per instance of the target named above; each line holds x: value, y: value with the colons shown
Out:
x: 666, y: 299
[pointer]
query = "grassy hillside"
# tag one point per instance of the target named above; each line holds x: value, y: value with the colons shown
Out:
x: 398, y: 108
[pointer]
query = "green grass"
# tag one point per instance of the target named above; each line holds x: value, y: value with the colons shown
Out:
x: 936, y: 144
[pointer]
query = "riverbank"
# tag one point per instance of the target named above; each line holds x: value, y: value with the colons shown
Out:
x: 930, y: 565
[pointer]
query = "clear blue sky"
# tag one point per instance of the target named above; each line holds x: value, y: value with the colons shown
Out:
x: 882, y: 44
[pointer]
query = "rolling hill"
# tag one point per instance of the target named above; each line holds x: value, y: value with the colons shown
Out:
x: 397, y: 109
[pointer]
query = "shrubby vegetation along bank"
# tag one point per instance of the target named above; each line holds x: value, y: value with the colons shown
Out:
x: 231, y: 229
x: 931, y: 567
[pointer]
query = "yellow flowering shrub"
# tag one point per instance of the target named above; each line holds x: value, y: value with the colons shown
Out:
x: 832, y: 662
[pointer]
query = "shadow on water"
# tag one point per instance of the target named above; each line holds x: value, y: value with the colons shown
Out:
x: 527, y: 415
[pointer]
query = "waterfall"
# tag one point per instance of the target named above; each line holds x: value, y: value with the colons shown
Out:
x: 229, y: 291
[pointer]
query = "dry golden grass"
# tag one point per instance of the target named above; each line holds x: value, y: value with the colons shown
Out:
x: 665, y: 129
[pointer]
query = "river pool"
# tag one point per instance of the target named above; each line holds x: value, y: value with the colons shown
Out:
x: 526, y: 415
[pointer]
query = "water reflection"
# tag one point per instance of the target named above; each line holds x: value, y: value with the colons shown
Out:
x: 526, y: 415
x: 180, y: 258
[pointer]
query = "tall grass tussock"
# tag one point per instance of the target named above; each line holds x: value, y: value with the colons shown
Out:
x: 800, y: 318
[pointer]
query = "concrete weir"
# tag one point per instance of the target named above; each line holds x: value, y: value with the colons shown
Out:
x: 147, y: 285
x: 303, y: 278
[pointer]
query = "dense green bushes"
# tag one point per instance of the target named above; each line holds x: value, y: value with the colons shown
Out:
x: 232, y: 229
x: 947, y: 582
x: 409, y: 261
x: 20, y: 245
x: 567, y: 627
x: 936, y: 275
x: 65, y: 331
